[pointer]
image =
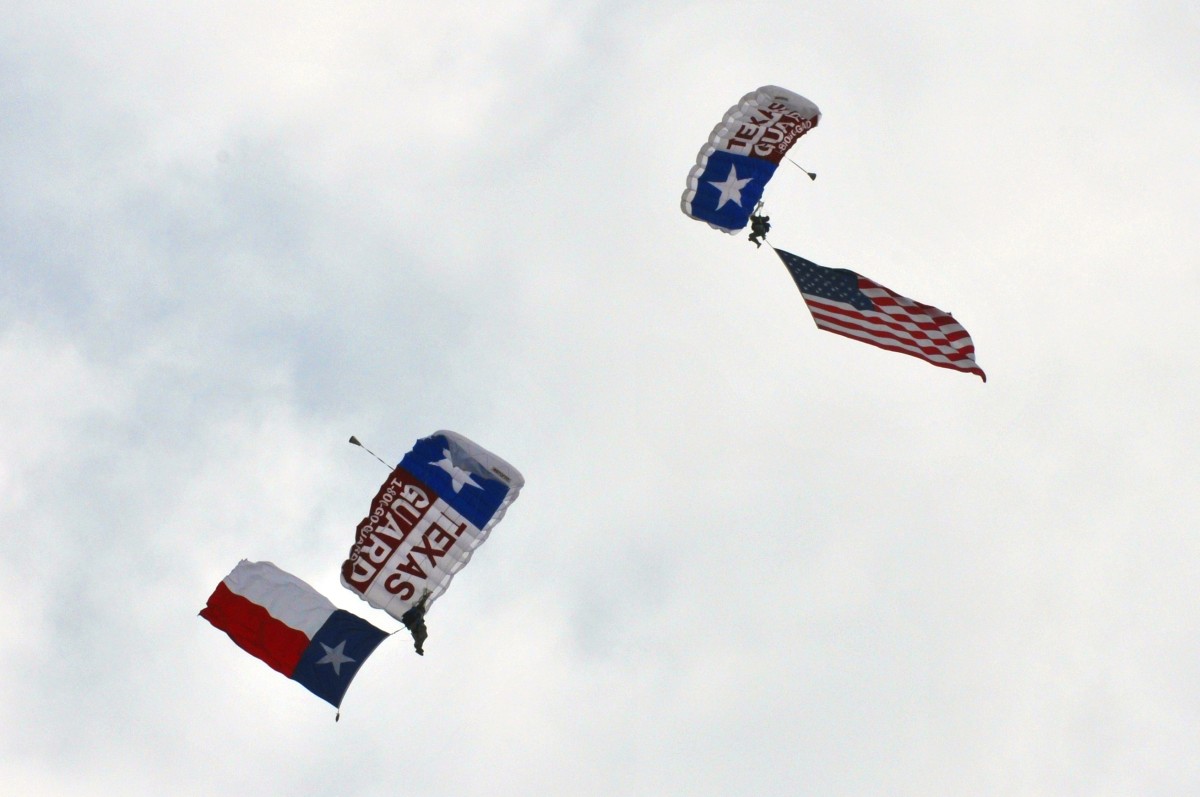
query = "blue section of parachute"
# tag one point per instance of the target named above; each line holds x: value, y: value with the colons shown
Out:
x: 457, y: 478
x: 744, y: 179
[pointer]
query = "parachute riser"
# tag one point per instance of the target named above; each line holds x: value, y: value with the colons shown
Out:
x: 811, y: 175
x: 354, y: 442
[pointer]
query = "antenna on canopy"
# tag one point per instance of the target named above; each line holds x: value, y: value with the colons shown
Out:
x: 354, y: 442
x: 811, y: 175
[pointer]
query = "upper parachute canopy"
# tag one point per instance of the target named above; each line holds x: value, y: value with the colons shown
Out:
x: 742, y: 153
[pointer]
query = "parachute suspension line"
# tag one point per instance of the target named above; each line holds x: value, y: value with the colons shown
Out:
x: 811, y: 175
x: 354, y: 442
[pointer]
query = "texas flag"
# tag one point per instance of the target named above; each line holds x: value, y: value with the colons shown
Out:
x: 296, y: 630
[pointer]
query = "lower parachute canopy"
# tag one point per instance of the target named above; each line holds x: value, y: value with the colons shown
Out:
x: 438, y: 505
x: 742, y: 153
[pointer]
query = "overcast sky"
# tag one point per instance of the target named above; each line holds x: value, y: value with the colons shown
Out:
x: 750, y: 557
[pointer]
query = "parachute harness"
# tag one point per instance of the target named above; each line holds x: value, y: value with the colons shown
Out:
x: 759, y: 226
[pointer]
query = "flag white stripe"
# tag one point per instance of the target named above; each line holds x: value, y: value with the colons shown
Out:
x: 948, y: 356
x: 855, y: 324
x: 285, y: 597
x: 895, y: 321
x: 866, y: 322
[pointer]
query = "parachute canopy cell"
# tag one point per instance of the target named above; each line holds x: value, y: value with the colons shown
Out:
x: 742, y: 153
x: 438, y: 505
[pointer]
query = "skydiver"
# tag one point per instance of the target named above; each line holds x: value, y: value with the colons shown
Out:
x: 414, y: 621
x: 760, y: 226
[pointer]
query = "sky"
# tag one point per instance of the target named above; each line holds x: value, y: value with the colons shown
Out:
x: 750, y: 557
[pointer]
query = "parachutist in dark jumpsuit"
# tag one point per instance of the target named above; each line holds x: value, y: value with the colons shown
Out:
x: 414, y: 621
x: 759, y: 226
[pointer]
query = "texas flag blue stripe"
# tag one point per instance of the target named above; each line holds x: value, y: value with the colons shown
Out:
x: 336, y: 653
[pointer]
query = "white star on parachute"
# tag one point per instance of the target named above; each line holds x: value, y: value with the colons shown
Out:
x: 458, y: 476
x: 731, y: 188
x: 335, y: 656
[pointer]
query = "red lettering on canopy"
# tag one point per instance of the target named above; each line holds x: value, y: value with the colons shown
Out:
x: 768, y: 132
x: 382, y: 546
x: 439, y: 539
x: 399, y: 506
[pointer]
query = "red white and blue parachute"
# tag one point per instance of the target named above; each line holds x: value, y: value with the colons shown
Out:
x: 438, y: 505
x: 741, y: 155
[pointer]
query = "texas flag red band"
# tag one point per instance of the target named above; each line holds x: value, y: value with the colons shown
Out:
x: 296, y: 630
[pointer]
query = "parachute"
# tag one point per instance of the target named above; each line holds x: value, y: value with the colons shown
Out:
x: 732, y: 169
x: 437, y: 506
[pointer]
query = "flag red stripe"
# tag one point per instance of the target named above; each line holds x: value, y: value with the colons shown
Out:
x: 935, y: 356
x: 966, y: 366
x: 924, y: 343
x: 255, y: 631
x: 868, y: 328
x: 916, y: 347
x: 900, y: 333
x: 902, y: 323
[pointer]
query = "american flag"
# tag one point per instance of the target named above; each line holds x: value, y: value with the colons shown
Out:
x: 849, y: 304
